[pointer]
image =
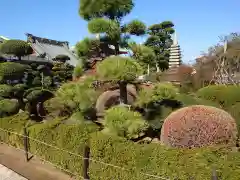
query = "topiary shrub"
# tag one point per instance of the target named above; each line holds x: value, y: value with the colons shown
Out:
x: 119, y: 68
x: 8, y: 107
x: 78, y: 96
x: 226, y: 96
x: 6, y: 91
x: 55, y: 107
x: 16, y: 47
x: 157, y: 93
x: 12, y: 71
x: 152, y: 102
x: 39, y: 95
x: 125, y: 123
x: 197, y: 126
x: 61, y: 58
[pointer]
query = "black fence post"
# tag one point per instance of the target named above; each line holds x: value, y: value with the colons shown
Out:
x: 25, y: 142
x: 214, y: 174
x: 86, y: 163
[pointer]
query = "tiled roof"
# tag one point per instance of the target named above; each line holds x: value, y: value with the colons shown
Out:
x: 52, y: 48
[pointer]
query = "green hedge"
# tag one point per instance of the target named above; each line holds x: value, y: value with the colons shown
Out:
x: 14, y: 124
x: 191, y: 99
x: 226, y: 96
x: 234, y: 110
x: 134, y: 158
x: 157, y: 160
x: 69, y: 137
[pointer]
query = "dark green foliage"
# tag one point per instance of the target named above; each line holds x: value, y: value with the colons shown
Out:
x: 156, y: 104
x: 157, y: 160
x: 136, y: 27
x: 160, y: 41
x: 47, y: 81
x: 2, y: 58
x: 61, y: 72
x: 144, y: 55
x: 104, y: 18
x: 86, y: 47
x: 12, y: 71
x: 37, y: 81
x: 8, y: 107
x: 112, y: 9
x: 62, y: 58
x: 28, y: 91
x: 39, y: 95
x: 15, y: 47
x: 6, y: 91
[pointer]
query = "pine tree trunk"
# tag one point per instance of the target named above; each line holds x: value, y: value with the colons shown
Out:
x: 117, y: 51
x: 123, y: 92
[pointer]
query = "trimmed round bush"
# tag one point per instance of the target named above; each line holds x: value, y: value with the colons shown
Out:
x: 197, y: 126
x: 8, y: 107
x: 62, y: 58
x: 12, y: 70
x: 55, y: 107
x: 124, y: 123
x: 6, y: 91
x: 16, y: 47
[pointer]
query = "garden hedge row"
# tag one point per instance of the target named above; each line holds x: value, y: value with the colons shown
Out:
x: 226, y: 96
x: 72, y: 138
x: 157, y: 160
x: 134, y: 158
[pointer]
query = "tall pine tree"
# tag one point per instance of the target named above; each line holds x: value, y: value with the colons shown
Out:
x: 105, y: 19
x: 160, y: 41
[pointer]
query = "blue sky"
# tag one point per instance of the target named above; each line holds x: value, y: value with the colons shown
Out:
x: 198, y: 23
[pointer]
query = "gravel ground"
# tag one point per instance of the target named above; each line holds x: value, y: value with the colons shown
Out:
x: 8, y: 174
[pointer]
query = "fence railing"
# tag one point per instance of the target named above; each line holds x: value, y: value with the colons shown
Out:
x: 85, y: 158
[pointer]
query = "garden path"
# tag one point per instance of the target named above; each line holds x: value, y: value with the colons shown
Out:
x: 31, y: 170
x: 8, y: 174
